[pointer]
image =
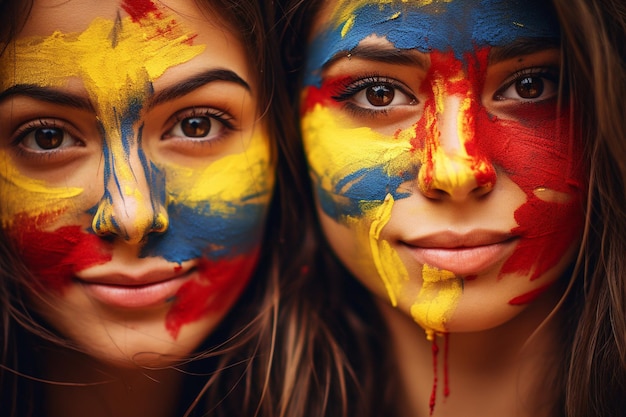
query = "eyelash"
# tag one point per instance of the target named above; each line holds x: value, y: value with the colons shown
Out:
x: 546, y: 73
x: 31, y: 126
x: 348, y: 88
x: 221, y: 116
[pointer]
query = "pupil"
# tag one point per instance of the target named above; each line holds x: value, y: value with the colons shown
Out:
x: 196, y: 127
x: 379, y: 95
x: 48, y: 138
x: 529, y: 87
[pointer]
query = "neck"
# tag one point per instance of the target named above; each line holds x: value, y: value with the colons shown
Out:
x: 102, y: 390
x: 489, y: 373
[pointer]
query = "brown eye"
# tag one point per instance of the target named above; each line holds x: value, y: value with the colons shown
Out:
x: 196, y: 127
x: 529, y: 87
x: 49, y: 138
x: 379, y: 95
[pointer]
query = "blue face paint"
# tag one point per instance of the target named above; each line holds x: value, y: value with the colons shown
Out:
x: 456, y: 26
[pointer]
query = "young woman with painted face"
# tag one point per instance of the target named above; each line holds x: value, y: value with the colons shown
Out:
x: 467, y: 163
x: 141, y: 221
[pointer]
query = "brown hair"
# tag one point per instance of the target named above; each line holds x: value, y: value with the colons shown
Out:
x: 591, y: 377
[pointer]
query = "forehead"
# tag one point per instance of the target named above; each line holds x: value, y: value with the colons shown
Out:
x: 447, y: 25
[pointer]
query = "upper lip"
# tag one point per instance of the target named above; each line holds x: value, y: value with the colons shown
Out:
x: 124, y: 279
x: 454, y: 240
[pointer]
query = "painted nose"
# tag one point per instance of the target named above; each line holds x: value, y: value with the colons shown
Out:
x: 133, y: 204
x: 448, y: 170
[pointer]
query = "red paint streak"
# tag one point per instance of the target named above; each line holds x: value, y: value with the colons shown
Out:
x: 446, y: 380
x: 140, y: 9
x: 433, y: 393
x: 529, y: 296
x: 55, y: 257
x: 324, y: 95
x: 218, y: 286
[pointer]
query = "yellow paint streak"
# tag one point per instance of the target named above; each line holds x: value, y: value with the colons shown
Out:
x: 437, y: 299
x: 28, y: 195
x: 335, y: 149
x: 227, y: 182
x: 388, y: 264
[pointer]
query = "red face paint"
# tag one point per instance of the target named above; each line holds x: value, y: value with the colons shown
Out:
x: 218, y: 285
x: 55, y: 257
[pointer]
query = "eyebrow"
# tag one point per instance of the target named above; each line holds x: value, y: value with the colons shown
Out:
x: 47, y: 94
x: 383, y: 54
x: 520, y: 47
x: 194, y: 82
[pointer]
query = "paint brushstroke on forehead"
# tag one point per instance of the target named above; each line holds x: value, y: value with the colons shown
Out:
x: 436, y: 25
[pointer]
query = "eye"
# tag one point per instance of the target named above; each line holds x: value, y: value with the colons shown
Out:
x: 200, y: 124
x: 375, y: 93
x: 533, y: 84
x: 46, y: 135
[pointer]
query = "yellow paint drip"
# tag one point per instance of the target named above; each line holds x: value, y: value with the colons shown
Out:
x: 388, y: 264
x: 28, y: 195
x: 437, y: 299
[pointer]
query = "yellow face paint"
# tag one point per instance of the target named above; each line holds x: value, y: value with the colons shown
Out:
x: 29, y: 196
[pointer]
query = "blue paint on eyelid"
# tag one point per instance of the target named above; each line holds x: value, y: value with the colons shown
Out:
x: 458, y: 26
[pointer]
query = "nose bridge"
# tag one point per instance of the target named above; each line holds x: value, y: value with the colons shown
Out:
x: 132, y: 205
x: 449, y: 169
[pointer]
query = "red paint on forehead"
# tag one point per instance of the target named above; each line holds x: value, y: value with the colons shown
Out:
x: 55, y: 257
x: 219, y: 284
x: 139, y: 9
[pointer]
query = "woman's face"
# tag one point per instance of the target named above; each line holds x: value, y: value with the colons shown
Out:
x: 446, y: 174
x: 135, y: 172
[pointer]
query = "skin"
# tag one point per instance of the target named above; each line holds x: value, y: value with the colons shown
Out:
x: 132, y: 154
x: 447, y: 178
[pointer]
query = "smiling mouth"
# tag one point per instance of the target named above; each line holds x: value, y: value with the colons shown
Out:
x: 136, y: 296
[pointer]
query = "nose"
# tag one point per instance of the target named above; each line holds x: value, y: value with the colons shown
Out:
x: 133, y: 204
x: 448, y: 170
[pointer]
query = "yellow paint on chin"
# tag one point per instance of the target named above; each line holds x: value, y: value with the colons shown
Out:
x: 437, y: 299
x: 24, y: 195
x: 227, y: 182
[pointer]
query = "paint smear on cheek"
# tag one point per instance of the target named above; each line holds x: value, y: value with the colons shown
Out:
x: 30, y: 209
x: 539, y: 153
x: 218, y: 286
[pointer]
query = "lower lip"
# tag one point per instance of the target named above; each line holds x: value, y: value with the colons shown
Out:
x: 136, y: 297
x: 464, y: 261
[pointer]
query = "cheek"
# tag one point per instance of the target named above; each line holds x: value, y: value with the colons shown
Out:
x: 545, y: 161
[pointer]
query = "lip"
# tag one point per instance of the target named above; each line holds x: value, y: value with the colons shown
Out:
x: 462, y: 254
x: 135, y: 293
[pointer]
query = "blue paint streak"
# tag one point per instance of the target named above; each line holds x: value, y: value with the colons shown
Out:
x: 458, y: 27
x: 367, y: 185
x: 194, y: 233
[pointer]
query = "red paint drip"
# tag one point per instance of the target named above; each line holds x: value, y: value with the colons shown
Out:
x: 433, y: 394
x: 139, y: 9
x: 215, y: 290
x: 55, y: 257
x: 446, y: 381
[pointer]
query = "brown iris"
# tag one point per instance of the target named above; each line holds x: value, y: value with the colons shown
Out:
x: 379, y: 95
